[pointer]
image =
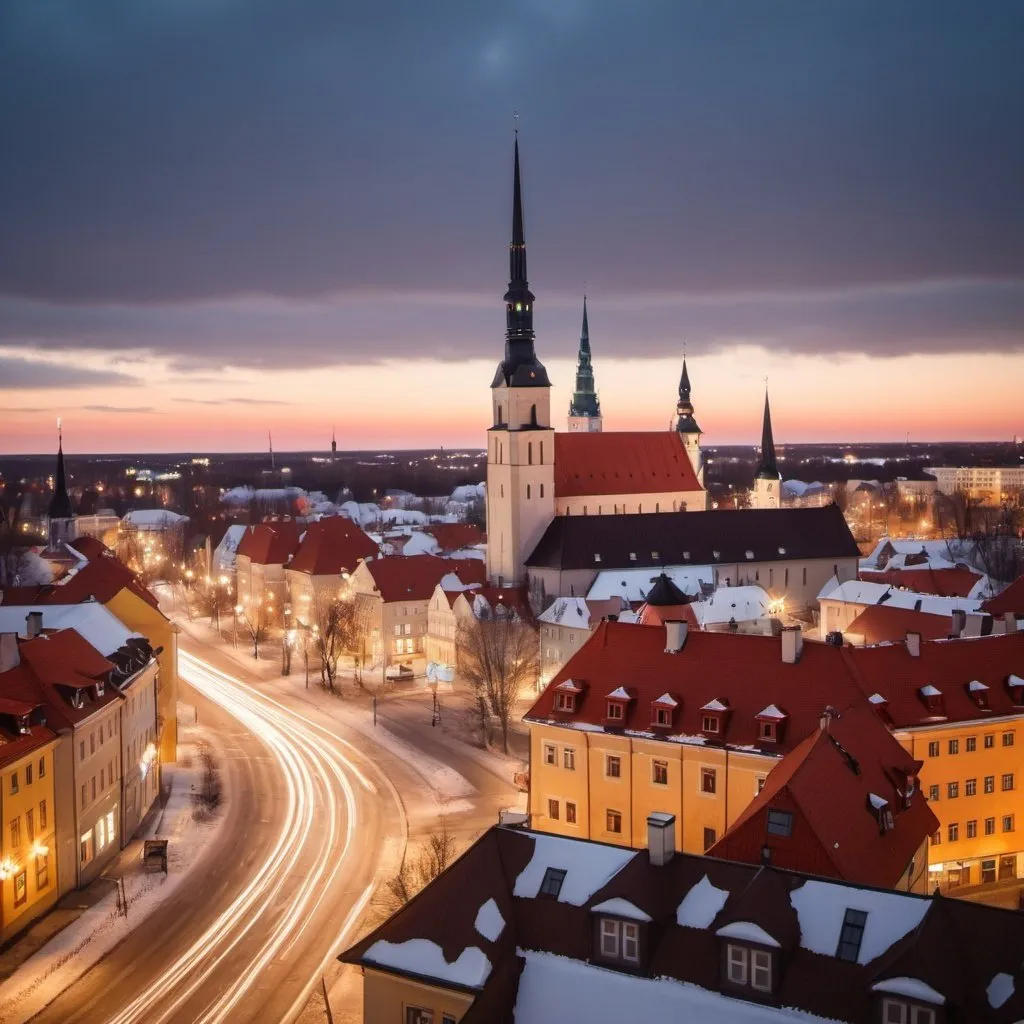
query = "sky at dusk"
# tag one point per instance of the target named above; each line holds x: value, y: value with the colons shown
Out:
x: 223, y: 217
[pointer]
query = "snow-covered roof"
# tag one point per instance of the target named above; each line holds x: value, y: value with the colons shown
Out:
x: 92, y: 620
x: 668, y: 700
x: 876, y: 801
x: 747, y: 931
x: 771, y: 712
x: 976, y: 686
x: 632, y: 585
x: 469, y: 492
x: 588, y: 866
x: 424, y: 957
x: 225, y: 551
x: 420, y: 543
x: 621, y: 908
x: 567, y: 611
x: 714, y: 705
x: 1000, y: 988
x: 930, y: 691
x: 154, y: 519
x: 742, y: 604
x: 912, y: 988
x: 701, y: 904
x: 489, y: 922
x: 866, y: 592
x: 620, y: 693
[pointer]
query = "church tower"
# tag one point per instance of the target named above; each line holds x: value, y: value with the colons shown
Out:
x: 521, y: 442
x: 686, y: 425
x: 61, y: 517
x: 585, y: 406
x: 767, y: 491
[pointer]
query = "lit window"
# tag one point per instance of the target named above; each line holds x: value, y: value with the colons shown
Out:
x: 1007, y: 782
x: 550, y: 754
x: 1007, y: 739
x: 708, y: 780
x: 1007, y: 822
x: 953, y: 831
x: 971, y: 787
x: 553, y: 810
x: 570, y: 813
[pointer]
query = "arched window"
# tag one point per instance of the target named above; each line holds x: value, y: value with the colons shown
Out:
x: 499, y: 414
x: 639, y: 508
x: 529, y: 453
x: 527, y: 490
x: 657, y: 506
x: 533, y: 415
x: 584, y: 509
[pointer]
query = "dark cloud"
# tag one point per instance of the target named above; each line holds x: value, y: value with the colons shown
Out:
x: 21, y: 374
x: 119, y: 408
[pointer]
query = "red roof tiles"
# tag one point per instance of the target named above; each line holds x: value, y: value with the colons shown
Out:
x: 270, y: 543
x: 414, y: 578
x: 955, y: 582
x: 1010, y: 600
x: 453, y: 536
x: 101, y: 579
x: 332, y: 546
x: 879, y: 623
x: 627, y: 462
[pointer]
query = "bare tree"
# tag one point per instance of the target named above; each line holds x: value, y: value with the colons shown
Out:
x: 497, y: 656
x: 334, y: 619
x: 255, y: 619
x: 420, y: 868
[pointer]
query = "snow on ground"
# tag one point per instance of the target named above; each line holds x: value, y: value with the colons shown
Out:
x: 554, y: 989
x: 71, y: 952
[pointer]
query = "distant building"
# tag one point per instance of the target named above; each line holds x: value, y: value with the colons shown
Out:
x: 989, y: 485
x: 260, y: 558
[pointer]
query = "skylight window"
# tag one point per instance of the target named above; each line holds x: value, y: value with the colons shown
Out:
x: 851, y: 935
x: 780, y: 823
x: 551, y: 885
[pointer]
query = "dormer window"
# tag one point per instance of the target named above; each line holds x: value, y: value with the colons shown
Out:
x: 617, y: 702
x: 99, y: 690
x: 932, y: 697
x: 882, y: 811
x: 770, y: 723
x: 23, y: 726
x: 632, y: 556
x: 712, y: 719
x: 978, y: 692
x: 748, y: 968
x: 565, y: 701
x: 77, y: 700
x: 616, y: 711
x: 898, y: 1011
x: 619, y: 941
x: 750, y: 554
x: 1015, y: 684
x: 663, y: 709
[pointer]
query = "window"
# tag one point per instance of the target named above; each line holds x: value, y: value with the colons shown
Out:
x: 101, y: 834
x: 92, y: 787
x: 990, y: 826
x: 553, y: 809
x: 1007, y: 822
x: 768, y: 730
x: 896, y: 1011
x: 20, y: 889
x: 936, y: 838
x: 953, y: 831
x: 14, y: 783
x: 1007, y: 739
x: 620, y: 940
x: 990, y: 783
x: 42, y: 815
x: 42, y: 767
x: 851, y: 935
x: 708, y: 780
x: 15, y: 833
x: 662, y: 716
x: 613, y: 766
x: 952, y: 790
x: 709, y: 723
x: 751, y: 967
x: 659, y: 773
x: 971, y: 787
x: 551, y: 884
x: 92, y: 743
x: 418, y: 1015
x: 972, y: 829
x: 954, y: 746
x: 933, y: 793
x: 971, y: 744
x: 570, y: 813
x: 761, y: 779
x: 30, y: 825
x: 933, y: 748
x: 780, y: 823
x: 42, y: 871
x: 615, y: 710
x: 709, y: 838
x: 990, y: 740
x: 569, y: 758
x: 565, y: 701
x: 550, y: 754
x: 81, y: 750
x: 103, y: 775
x: 988, y: 870
x: 28, y: 775
x: 1007, y: 782
x: 86, y: 848
x: 85, y: 794
x: 613, y: 822
x: 111, y: 829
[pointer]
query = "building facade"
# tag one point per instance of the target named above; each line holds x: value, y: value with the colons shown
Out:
x: 989, y: 485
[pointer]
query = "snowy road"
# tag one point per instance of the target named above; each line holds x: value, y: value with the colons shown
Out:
x: 312, y: 822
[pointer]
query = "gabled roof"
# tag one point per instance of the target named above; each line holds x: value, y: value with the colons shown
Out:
x: 90, y: 548
x: 453, y: 536
x: 413, y: 578
x: 880, y: 623
x: 270, y: 543
x: 825, y: 782
x: 331, y: 546
x: 958, y: 581
x: 1010, y: 600
x: 580, y: 612
x: 712, y: 537
x: 514, y: 598
x: 100, y: 578
x: 626, y: 462
x: 93, y: 621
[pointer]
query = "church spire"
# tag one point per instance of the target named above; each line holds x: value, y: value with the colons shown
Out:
x: 584, y: 404
x: 767, y: 468
x: 685, y: 423
x: 520, y: 367
x: 60, y: 503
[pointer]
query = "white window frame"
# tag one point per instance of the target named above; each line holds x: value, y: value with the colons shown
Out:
x: 761, y: 966
x: 620, y: 940
x: 608, y: 760
x: 749, y: 967
x: 551, y: 754
x: 737, y: 964
x: 569, y: 759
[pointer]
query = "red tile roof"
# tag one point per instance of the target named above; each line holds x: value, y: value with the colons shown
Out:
x: 879, y: 623
x: 270, y: 543
x: 91, y: 548
x: 332, y: 546
x: 515, y: 598
x: 101, y: 578
x: 826, y: 783
x: 1010, y: 600
x: 414, y: 578
x: 628, y: 462
x: 453, y: 536
x: 659, y: 614
x: 956, y: 582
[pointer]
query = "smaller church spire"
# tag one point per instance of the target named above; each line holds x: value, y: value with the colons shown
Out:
x: 60, y: 503
x: 685, y: 422
x: 767, y: 468
x: 584, y: 406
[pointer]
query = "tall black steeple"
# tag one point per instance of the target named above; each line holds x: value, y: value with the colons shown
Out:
x: 767, y: 468
x: 584, y: 401
x: 60, y: 503
x: 520, y: 367
x: 685, y: 423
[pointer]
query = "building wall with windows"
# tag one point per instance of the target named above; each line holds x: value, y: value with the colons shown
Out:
x: 140, y: 774
x: 625, y: 504
x: 388, y: 999
x: 28, y: 848
x: 592, y: 785
x: 973, y: 776
x: 990, y: 485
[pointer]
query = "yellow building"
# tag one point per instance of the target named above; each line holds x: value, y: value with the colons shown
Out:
x: 28, y: 850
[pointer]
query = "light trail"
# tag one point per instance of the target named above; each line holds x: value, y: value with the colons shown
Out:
x: 317, y: 783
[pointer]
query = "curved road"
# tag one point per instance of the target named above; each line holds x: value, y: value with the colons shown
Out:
x: 275, y: 898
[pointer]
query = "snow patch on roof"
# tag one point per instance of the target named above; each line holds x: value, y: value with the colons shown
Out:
x: 588, y: 867
x: 877, y: 698
x: 489, y: 922
x: 912, y: 988
x: 620, y: 693
x: 633, y: 585
x: 1000, y: 988
x: 715, y: 705
x: 622, y: 908
x: 668, y: 700
x: 771, y: 712
x: 567, y: 611
x: 742, y: 604
x: 747, y: 931
x: 421, y: 956
x: 876, y: 801
x: 930, y: 691
x: 976, y: 686
x: 821, y: 907
x: 91, y: 620
x: 701, y: 905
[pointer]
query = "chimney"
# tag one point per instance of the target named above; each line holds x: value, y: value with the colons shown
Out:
x: 792, y: 644
x: 9, y: 656
x: 974, y: 624
x: 661, y: 837
x: 675, y: 636
x: 33, y: 624
x: 959, y: 621
x: 1010, y: 618
x: 914, y: 645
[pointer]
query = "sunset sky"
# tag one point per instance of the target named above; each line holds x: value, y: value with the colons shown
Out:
x: 223, y: 217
